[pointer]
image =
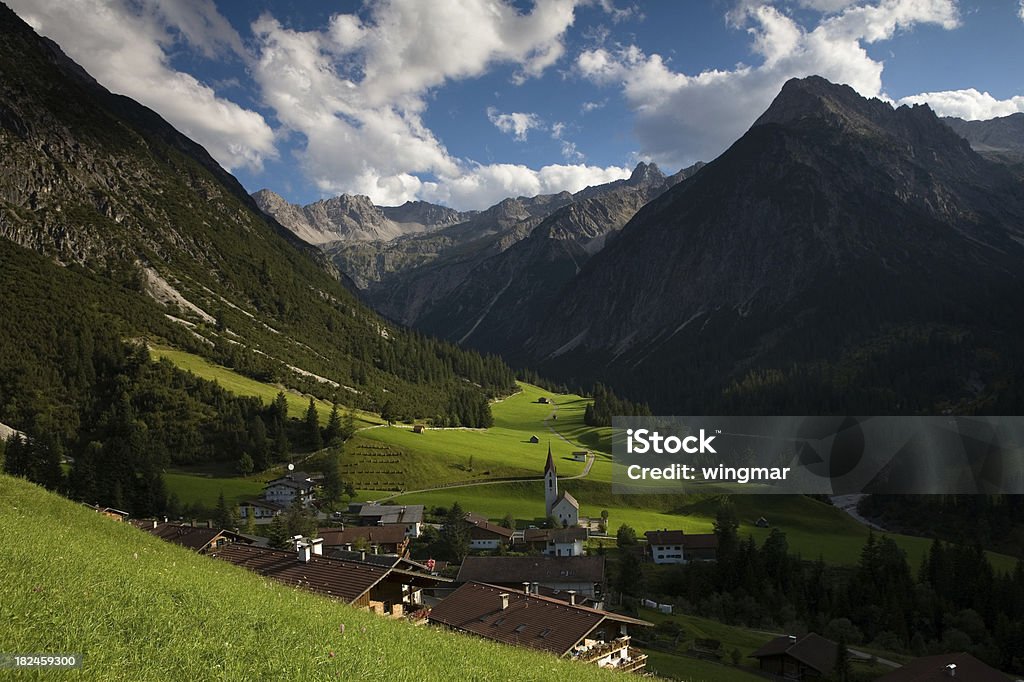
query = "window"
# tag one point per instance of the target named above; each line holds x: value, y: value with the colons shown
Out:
x: 498, y: 622
x: 520, y: 628
x: 544, y: 633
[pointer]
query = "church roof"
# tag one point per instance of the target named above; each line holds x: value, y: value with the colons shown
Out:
x: 567, y: 497
x: 550, y: 466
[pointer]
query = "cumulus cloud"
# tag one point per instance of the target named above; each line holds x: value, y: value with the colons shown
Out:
x: 969, y: 105
x: 681, y: 118
x: 357, y: 90
x: 1020, y: 10
x: 517, y: 124
x: 124, y: 46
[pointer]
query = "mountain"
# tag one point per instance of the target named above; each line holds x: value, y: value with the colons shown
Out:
x: 446, y: 283
x: 497, y: 300
x: 999, y: 139
x: 841, y: 254
x: 144, y: 236
x: 354, y: 217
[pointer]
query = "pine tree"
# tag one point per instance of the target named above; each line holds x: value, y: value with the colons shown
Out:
x: 454, y: 537
x: 348, y: 428
x: 333, y: 432
x: 277, y: 534
x: 313, y: 426
x: 223, y: 515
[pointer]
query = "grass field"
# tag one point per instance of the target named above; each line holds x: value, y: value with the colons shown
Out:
x: 238, y: 384
x: 438, y: 457
x: 203, y: 490
x: 138, y: 608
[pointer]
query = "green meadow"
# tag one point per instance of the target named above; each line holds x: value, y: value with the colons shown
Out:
x: 138, y: 608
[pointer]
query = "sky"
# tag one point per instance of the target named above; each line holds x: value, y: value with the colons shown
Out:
x: 465, y: 102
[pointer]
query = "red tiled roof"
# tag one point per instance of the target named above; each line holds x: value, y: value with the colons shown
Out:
x: 337, y: 578
x: 934, y: 669
x: 529, y: 620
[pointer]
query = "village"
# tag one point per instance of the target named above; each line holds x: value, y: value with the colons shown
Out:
x: 546, y: 589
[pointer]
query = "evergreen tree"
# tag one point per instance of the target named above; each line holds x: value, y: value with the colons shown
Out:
x: 312, y: 422
x: 333, y: 433
x: 841, y: 670
x: 259, y: 446
x: 223, y: 515
x: 454, y: 536
x: 629, y: 576
x: 333, y: 486
x: 277, y: 534
x: 348, y: 427
x: 245, y: 464
x: 625, y: 536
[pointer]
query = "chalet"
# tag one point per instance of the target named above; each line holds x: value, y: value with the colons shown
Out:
x: 584, y: 574
x: 567, y: 630
x: 202, y: 539
x: 295, y: 484
x: 419, y: 428
x: 942, y: 668
x: 534, y: 439
x: 580, y: 455
x: 762, y: 522
x: 542, y: 400
x: 260, y: 509
x: 379, y: 589
x: 109, y: 512
x: 485, y: 535
x: 811, y: 657
x: 388, y: 538
x: 676, y: 547
x: 411, y: 516
x: 556, y: 541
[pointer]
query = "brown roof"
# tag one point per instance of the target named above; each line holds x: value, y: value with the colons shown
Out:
x: 337, y: 578
x: 530, y: 620
x: 388, y: 534
x: 701, y: 541
x: 188, y: 536
x: 543, y: 569
x: 934, y: 668
x: 812, y: 650
x: 484, y: 529
x: 559, y: 535
x: 665, y: 537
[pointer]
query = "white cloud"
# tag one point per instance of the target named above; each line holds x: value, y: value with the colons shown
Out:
x: 969, y: 105
x: 587, y: 107
x: 483, y: 186
x: 1020, y: 10
x: 357, y: 91
x: 124, y: 46
x: 682, y: 118
x: 517, y: 124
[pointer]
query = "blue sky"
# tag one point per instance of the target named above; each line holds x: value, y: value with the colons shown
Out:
x: 464, y: 102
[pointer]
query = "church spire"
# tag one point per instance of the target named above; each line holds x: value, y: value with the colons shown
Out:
x: 550, y: 483
x: 550, y: 466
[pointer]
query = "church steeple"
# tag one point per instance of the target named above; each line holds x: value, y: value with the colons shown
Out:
x: 550, y: 483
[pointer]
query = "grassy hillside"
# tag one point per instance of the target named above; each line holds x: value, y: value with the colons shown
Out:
x: 139, y: 608
x: 438, y: 457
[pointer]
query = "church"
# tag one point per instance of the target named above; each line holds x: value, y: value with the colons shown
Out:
x: 563, y: 508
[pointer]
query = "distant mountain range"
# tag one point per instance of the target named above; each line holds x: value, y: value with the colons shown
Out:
x: 834, y: 225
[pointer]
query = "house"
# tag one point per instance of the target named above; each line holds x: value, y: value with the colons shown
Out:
x: 534, y: 439
x: 109, y: 512
x: 202, y: 539
x: 942, y: 668
x: 580, y: 455
x: 556, y: 541
x: 371, y: 514
x: 295, y: 484
x: 485, y: 535
x: 676, y: 547
x: 584, y: 574
x: 563, y: 508
x: 542, y: 400
x: 419, y: 428
x: 762, y: 522
x: 381, y: 589
x: 388, y: 538
x: 811, y: 657
x: 566, y: 630
x: 260, y: 509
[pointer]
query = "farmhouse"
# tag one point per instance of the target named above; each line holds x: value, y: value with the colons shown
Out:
x: 676, y: 547
x: 260, y: 509
x: 580, y: 455
x: 385, y: 539
x: 563, y: 508
x: 534, y: 439
x: 944, y: 667
x: 201, y: 539
x: 370, y: 514
x: 584, y: 574
x: 530, y: 620
x: 556, y: 541
x: 109, y: 512
x: 380, y: 589
x: 284, y: 490
x: 811, y: 657
x: 485, y: 535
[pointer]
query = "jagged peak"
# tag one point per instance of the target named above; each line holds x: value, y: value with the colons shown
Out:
x: 646, y: 172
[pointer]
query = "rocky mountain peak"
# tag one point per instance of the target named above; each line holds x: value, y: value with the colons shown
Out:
x: 646, y: 173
